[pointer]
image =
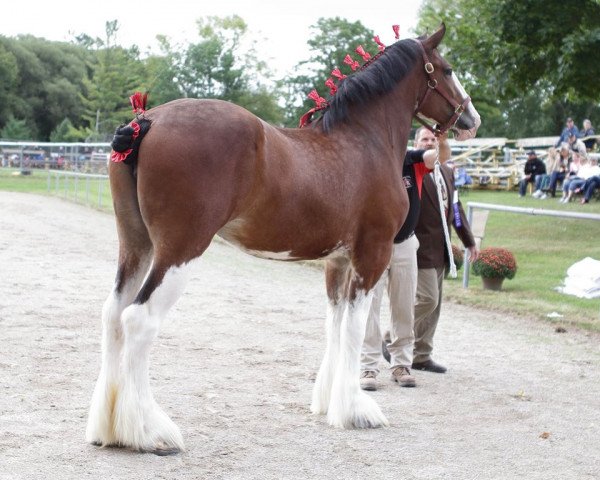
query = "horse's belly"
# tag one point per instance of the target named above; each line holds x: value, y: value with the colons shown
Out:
x: 271, y: 248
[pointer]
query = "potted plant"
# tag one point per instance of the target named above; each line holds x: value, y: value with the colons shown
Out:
x: 493, y: 265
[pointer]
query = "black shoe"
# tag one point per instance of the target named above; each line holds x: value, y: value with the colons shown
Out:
x: 386, y: 353
x: 429, y: 366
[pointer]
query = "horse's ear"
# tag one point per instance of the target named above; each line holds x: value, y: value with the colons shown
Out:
x: 434, y: 40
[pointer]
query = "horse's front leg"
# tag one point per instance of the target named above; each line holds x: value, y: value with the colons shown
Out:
x: 335, y: 278
x: 349, y: 406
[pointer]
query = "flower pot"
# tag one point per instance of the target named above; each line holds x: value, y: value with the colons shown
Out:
x: 492, y: 283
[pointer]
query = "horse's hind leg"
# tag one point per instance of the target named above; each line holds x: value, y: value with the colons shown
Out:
x: 139, y: 422
x: 133, y: 266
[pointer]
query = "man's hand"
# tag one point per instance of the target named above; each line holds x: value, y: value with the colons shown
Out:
x: 473, y: 253
x: 442, y: 153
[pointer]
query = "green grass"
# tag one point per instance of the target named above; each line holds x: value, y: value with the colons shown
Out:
x: 92, y: 192
x: 545, y: 247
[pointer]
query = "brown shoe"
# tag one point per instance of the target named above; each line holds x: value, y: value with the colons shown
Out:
x: 368, y: 381
x: 403, y: 377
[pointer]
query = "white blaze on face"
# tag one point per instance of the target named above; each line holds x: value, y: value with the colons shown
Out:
x: 470, y: 111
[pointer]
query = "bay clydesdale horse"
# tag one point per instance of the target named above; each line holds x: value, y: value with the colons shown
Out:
x: 332, y: 190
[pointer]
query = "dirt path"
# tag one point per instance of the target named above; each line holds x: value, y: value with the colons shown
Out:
x: 234, y: 366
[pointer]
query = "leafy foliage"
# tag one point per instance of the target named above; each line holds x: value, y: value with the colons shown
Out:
x: 15, y: 130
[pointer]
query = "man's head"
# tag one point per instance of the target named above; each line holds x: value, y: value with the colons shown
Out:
x: 569, y: 122
x: 531, y: 155
x: 424, y: 139
x: 587, y: 124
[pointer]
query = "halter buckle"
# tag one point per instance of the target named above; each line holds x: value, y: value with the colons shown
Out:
x: 429, y: 68
x: 432, y: 83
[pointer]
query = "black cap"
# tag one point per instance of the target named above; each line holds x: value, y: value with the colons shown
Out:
x: 531, y: 152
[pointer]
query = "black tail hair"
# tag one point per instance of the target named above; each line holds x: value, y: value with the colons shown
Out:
x: 123, y: 140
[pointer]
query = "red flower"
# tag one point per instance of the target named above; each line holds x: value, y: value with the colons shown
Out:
x: 495, y: 262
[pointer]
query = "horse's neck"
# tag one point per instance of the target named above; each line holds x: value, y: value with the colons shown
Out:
x: 389, y: 117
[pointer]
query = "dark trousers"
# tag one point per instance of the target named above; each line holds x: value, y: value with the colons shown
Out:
x: 590, y: 186
x: 523, y: 184
x: 555, y: 177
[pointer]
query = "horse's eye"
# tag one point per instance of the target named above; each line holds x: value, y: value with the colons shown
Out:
x: 447, y: 71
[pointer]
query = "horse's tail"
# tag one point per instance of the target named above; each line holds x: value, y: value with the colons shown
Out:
x: 135, y: 245
x: 127, y: 139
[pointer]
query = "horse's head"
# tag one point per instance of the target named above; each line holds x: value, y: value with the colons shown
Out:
x: 443, y: 99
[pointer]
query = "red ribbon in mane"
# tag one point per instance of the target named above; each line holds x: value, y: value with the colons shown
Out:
x: 138, y: 102
x: 348, y: 60
x: 338, y: 74
x: 331, y: 85
x: 361, y: 51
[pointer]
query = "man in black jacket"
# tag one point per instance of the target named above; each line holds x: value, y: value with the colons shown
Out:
x: 533, y: 167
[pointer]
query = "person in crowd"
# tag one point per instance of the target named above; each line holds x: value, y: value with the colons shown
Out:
x: 533, y: 167
x: 561, y: 169
x: 575, y: 183
x: 543, y: 181
x: 576, y: 145
x: 588, y: 131
x: 432, y: 259
x: 574, y: 167
x: 570, y: 129
x: 589, y: 187
x: 401, y: 274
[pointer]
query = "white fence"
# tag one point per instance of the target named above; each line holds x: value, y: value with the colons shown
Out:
x: 86, y: 188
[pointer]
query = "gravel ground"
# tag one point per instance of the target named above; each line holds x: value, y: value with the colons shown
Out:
x: 234, y: 367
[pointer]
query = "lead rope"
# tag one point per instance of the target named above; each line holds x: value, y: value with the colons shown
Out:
x: 437, y: 174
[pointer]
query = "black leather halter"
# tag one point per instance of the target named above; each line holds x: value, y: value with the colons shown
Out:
x: 433, y: 85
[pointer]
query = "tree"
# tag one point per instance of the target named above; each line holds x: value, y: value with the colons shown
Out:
x: 44, y: 83
x: 66, y: 132
x: 116, y: 75
x: 218, y: 67
x: 15, y: 130
x: 9, y: 74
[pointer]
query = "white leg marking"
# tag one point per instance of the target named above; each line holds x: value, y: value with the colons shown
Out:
x: 349, y: 406
x: 100, y: 420
x: 322, y: 389
x: 139, y: 422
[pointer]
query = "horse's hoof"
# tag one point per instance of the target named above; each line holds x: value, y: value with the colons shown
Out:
x: 96, y: 443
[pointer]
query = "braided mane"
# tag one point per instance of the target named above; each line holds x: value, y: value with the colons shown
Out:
x: 379, y: 77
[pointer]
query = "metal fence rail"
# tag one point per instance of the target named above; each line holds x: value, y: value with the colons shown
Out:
x: 471, y: 206
x: 86, y: 188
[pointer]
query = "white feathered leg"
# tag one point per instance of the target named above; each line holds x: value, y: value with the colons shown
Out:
x: 322, y: 389
x: 139, y: 422
x: 99, y: 429
x: 349, y: 406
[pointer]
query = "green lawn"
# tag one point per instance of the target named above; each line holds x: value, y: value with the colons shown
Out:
x: 544, y: 247
x: 92, y: 192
